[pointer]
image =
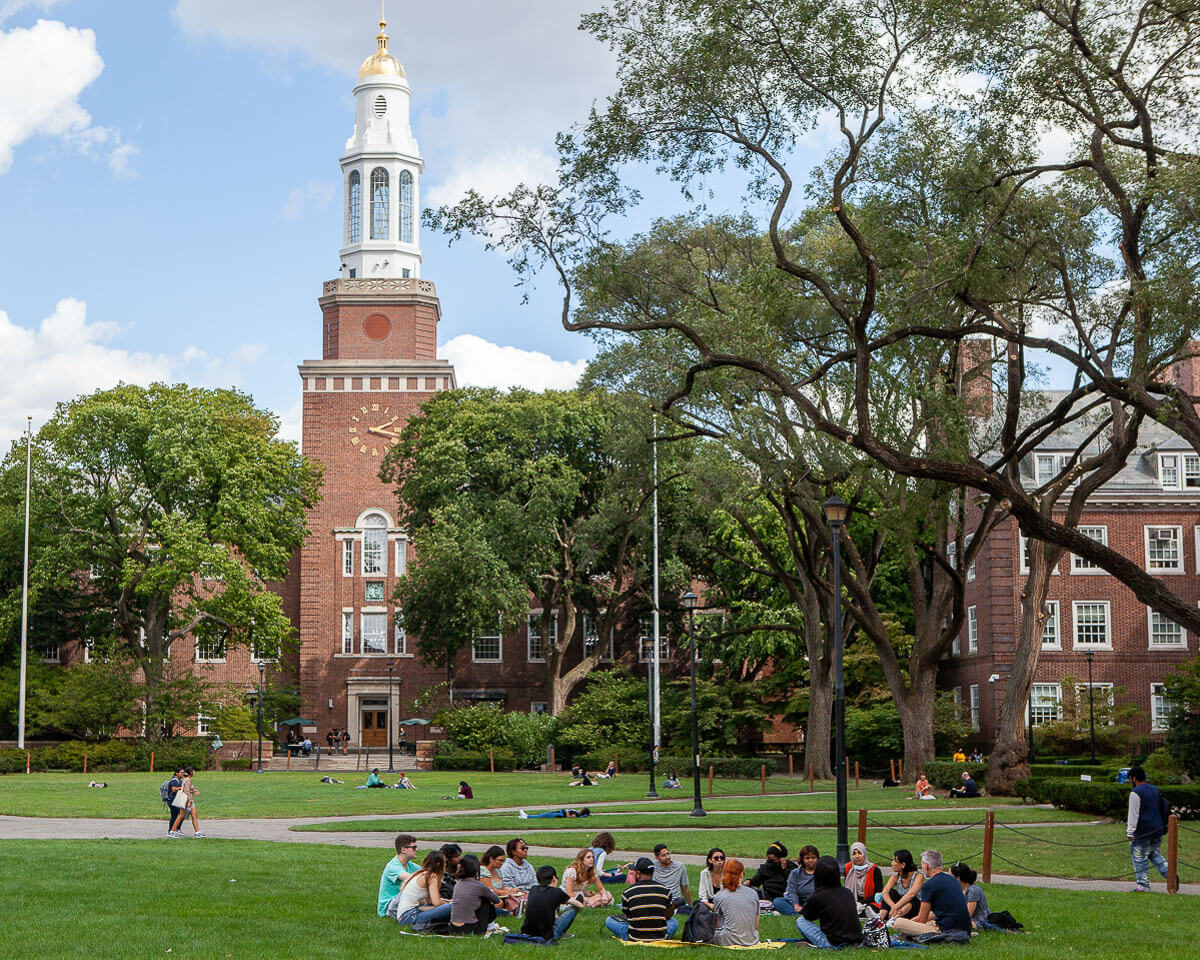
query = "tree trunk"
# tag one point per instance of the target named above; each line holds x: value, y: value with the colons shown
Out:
x: 820, y: 722
x: 916, y: 721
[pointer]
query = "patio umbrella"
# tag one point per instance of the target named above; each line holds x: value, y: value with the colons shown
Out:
x: 298, y: 721
x: 414, y: 722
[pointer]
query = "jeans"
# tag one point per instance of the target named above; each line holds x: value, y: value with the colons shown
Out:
x: 619, y: 928
x: 548, y: 815
x: 784, y: 906
x: 1143, y: 853
x: 563, y: 923
x: 811, y: 932
x: 419, y: 919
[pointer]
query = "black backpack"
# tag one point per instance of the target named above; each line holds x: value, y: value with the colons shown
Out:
x: 700, y: 924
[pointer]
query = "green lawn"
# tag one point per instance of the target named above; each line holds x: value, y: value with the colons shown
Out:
x: 142, y: 898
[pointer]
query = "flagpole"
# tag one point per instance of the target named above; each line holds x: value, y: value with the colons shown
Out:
x: 25, y: 592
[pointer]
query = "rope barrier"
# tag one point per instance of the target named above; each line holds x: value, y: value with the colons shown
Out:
x: 1059, y: 843
x: 1052, y: 876
x: 925, y: 833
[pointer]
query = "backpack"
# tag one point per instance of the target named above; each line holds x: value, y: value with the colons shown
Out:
x: 699, y: 926
x: 1004, y: 920
x: 875, y: 934
x: 165, y: 790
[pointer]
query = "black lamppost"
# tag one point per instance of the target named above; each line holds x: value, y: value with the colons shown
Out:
x: 689, y: 604
x: 391, y: 718
x: 836, y: 511
x: 652, y: 793
x: 1091, y: 710
x: 261, y: 669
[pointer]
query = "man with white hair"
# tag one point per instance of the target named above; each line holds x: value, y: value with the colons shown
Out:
x: 943, y: 906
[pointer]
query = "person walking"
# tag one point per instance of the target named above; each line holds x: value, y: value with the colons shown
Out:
x: 173, y: 786
x: 189, y: 790
x: 1144, y: 826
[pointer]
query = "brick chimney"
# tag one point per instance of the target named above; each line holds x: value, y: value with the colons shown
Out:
x: 975, y: 375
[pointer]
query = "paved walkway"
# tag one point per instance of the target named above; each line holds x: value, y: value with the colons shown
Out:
x: 279, y: 831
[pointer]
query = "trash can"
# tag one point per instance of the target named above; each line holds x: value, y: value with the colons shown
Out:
x: 1123, y: 775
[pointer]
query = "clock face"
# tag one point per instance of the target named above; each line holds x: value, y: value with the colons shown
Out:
x: 373, y: 429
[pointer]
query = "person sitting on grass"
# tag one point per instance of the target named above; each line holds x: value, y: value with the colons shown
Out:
x: 673, y: 876
x: 489, y: 874
x: 473, y: 905
x: 581, y: 875
x: 736, y: 909
x: 710, y: 876
x: 863, y: 878
x: 830, y: 916
x: 603, y: 845
x: 610, y: 771
x: 771, y: 878
x: 646, y: 906
x: 799, y: 883
x: 373, y: 780
x: 544, y: 901
x: 398, y: 869
x: 968, y: 789
x: 960, y: 756
x: 900, y: 891
x: 421, y: 903
x: 555, y: 814
x: 943, y: 905
x: 672, y: 782
x: 518, y: 872
x: 922, y: 790
x: 583, y: 780
x: 977, y: 905
x: 404, y: 783
x: 464, y: 792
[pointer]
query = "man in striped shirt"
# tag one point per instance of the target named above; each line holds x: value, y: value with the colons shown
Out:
x: 647, y: 907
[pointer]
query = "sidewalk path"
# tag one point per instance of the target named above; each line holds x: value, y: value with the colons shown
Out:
x: 279, y: 831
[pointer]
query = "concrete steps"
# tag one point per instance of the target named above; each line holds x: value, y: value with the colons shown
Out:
x: 347, y: 763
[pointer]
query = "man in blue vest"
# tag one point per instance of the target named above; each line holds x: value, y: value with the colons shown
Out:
x: 1144, y: 827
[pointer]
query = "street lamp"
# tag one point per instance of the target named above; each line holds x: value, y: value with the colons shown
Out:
x: 390, y: 716
x: 1091, y: 710
x: 836, y: 511
x: 689, y: 604
x: 262, y: 666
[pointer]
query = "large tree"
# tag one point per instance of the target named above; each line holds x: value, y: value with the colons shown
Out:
x: 527, y: 496
x: 161, y: 513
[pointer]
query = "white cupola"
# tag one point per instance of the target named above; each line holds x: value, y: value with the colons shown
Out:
x: 381, y: 174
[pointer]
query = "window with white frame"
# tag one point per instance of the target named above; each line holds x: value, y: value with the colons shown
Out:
x: 204, y: 725
x: 974, y: 705
x: 88, y: 647
x: 374, y: 551
x: 401, y: 564
x: 1045, y: 703
x: 399, y: 634
x: 591, y: 637
x: 1160, y: 706
x: 1191, y: 471
x: 1164, y: 632
x: 1027, y: 557
x: 1164, y: 549
x: 646, y: 643
x: 263, y: 654
x: 1102, y: 694
x: 486, y: 647
x: 952, y: 555
x: 956, y: 646
x: 1051, y: 637
x: 966, y: 548
x: 50, y: 652
x: 1092, y: 623
x: 1079, y: 564
x: 539, y: 706
x: 347, y: 631
x: 210, y: 649
x: 1045, y: 468
x: 374, y: 632
x: 347, y: 558
x: 972, y: 630
x: 534, y: 651
x: 1168, y: 470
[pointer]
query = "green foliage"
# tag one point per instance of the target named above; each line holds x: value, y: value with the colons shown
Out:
x: 237, y: 764
x: 1161, y: 768
x: 528, y: 735
x: 1070, y: 735
x: 474, y: 760
x: 1183, y: 725
x: 873, y: 732
x: 610, y: 709
x: 472, y: 728
x: 1108, y: 799
x: 90, y: 700
x: 236, y: 721
x: 729, y: 716
x: 107, y: 756
x: 947, y: 773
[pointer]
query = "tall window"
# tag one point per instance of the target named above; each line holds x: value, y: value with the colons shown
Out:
x: 591, y: 637
x: 535, y: 652
x: 1168, y: 470
x: 966, y: 547
x: 972, y: 630
x: 374, y: 552
x: 1164, y: 632
x: 374, y: 633
x: 486, y: 647
x: 1164, y: 549
x: 210, y: 649
x: 1044, y: 464
x: 1092, y: 623
x: 646, y: 643
x: 401, y: 565
x: 1050, y: 635
x: 50, y: 653
x: 406, y: 207
x: 354, y: 208
x: 1160, y: 706
x: 379, y: 204
x: 974, y: 693
x: 347, y: 558
x: 1191, y: 470
x: 1079, y: 564
x: 401, y: 635
x: 1045, y: 703
x: 347, y: 631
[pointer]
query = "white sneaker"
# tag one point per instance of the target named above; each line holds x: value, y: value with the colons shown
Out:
x: 174, y: 834
x: 521, y: 814
x: 198, y: 835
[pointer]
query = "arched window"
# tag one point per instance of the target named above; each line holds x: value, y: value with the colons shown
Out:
x: 379, y: 204
x: 374, y: 552
x: 406, y: 207
x: 354, y: 208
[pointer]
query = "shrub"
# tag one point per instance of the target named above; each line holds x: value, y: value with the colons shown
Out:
x: 527, y: 735
x: 464, y: 760
x: 1161, y: 768
x: 1106, y: 799
x: 1065, y: 771
x: 473, y: 728
x: 947, y: 773
x: 634, y: 760
x: 237, y: 763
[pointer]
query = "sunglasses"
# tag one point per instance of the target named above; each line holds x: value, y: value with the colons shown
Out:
x: 718, y: 858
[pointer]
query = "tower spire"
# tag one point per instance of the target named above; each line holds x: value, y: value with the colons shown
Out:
x: 382, y: 39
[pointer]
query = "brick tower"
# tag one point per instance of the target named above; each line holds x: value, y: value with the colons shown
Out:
x: 379, y: 363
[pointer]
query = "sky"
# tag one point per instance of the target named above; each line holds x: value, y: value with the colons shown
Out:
x: 169, y: 185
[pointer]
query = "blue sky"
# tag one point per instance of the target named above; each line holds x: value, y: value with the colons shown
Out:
x: 169, y: 184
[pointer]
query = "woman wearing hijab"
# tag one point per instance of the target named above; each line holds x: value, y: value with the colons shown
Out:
x: 863, y: 878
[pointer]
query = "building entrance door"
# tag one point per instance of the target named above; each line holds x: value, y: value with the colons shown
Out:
x: 374, y: 727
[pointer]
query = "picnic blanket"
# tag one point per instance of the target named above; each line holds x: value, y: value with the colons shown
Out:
x: 762, y: 945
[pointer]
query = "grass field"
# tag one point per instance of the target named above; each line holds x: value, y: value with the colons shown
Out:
x: 243, y: 899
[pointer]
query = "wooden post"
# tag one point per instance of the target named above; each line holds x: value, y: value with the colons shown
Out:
x: 791, y: 772
x: 151, y: 761
x: 289, y: 760
x: 552, y: 763
x: 856, y: 775
x: 1173, y: 853
x: 862, y: 826
x: 901, y: 763
x: 491, y: 761
x: 27, y: 756
x: 763, y: 774
x: 892, y: 767
x: 847, y: 768
x: 710, y: 779
x: 357, y: 760
x: 989, y: 830
x: 85, y: 761
x: 810, y: 778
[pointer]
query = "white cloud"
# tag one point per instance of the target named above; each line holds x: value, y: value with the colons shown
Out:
x: 480, y: 363
x: 120, y: 158
x: 314, y: 191
x: 492, y: 175
x: 43, y: 71
x: 67, y: 355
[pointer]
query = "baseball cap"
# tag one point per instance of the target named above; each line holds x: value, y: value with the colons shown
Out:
x: 644, y: 865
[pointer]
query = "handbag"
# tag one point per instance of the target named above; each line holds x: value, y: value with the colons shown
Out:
x: 180, y: 800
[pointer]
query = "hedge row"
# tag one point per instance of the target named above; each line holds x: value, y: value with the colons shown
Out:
x: 633, y: 760
x: 1049, y: 771
x: 110, y: 756
x: 1106, y: 799
x: 947, y: 773
x: 465, y: 760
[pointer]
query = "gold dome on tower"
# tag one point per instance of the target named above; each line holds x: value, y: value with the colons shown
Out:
x: 381, y: 63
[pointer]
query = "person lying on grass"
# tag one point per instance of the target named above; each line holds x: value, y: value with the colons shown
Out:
x: 555, y: 814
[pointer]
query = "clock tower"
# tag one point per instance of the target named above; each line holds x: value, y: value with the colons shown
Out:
x: 379, y: 363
